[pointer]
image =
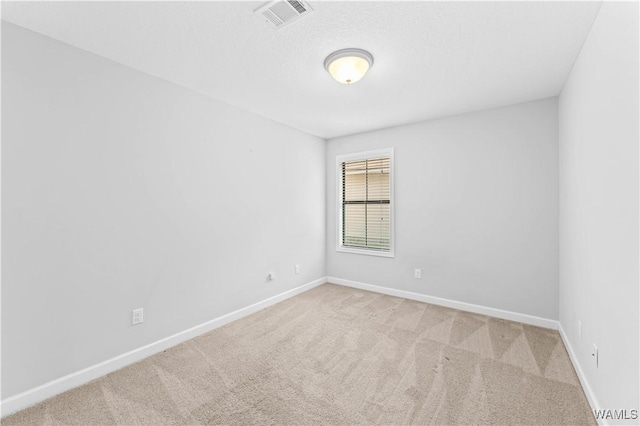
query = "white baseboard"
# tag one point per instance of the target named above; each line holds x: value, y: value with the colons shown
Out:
x: 70, y: 381
x: 469, y: 307
x: 583, y: 379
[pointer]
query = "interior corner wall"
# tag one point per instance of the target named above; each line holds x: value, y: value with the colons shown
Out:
x: 122, y: 191
x: 476, y: 208
x: 599, y: 137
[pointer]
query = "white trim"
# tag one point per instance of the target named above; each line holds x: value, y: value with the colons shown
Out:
x: 368, y: 252
x: 469, y: 307
x: 340, y: 158
x: 591, y: 397
x: 70, y: 381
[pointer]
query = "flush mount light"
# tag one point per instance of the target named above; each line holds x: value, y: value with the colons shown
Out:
x: 348, y: 65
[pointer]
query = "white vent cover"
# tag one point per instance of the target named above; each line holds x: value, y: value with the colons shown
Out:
x: 279, y: 13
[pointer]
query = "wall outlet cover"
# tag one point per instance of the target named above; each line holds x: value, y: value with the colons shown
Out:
x: 137, y: 316
x: 580, y: 330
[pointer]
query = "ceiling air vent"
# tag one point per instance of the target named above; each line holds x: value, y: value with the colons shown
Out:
x: 279, y: 13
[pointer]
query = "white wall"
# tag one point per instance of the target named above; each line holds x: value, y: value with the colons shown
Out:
x: 120, y: 191
x: 476, y: 209
x: 598, y: 131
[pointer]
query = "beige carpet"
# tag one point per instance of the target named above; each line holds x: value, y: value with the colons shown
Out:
x: 336, y: 355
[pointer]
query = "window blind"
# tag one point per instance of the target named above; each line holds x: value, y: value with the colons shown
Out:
x: 366, y: 204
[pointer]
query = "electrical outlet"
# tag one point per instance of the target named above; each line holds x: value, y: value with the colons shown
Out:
x: 594, y: 354
x: 417, y: 273
x: 137, y: 316
x: 580, y: 330
x: 297, y: 269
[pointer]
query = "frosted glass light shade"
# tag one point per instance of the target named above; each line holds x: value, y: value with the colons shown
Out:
x: 348, y: 65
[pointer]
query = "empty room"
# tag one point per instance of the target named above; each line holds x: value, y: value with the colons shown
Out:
x: 320, y: 212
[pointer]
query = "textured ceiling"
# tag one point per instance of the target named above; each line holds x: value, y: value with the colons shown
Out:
x: 432, y: 59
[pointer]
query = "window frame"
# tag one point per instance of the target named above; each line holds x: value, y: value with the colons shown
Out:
x: 356, y: 156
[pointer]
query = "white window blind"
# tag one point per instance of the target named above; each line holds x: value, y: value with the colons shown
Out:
x: 366, y: 204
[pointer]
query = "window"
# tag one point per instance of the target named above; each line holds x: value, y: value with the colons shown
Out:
x: 365, y: 203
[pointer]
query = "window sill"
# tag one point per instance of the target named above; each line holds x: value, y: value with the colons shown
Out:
x: 366, y: 252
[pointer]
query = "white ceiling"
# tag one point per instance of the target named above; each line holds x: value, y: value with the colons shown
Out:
x: 432, y: 59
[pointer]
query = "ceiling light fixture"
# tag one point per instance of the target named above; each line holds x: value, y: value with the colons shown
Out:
x: 348, y: 65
